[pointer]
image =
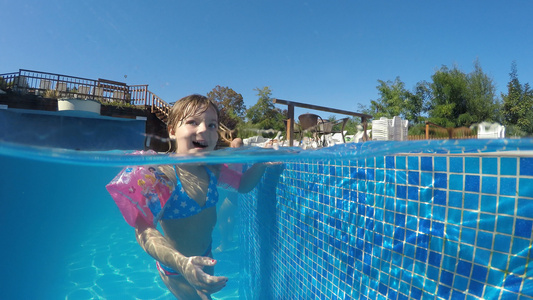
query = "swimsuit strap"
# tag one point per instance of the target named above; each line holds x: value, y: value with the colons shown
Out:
x: 212, y: 191
x: 212, y: 178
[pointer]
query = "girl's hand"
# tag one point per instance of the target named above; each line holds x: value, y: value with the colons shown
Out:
x: 201, y: 281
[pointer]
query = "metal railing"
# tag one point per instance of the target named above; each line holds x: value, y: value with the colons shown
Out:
x: 63, y: 86
x: 290, y: 116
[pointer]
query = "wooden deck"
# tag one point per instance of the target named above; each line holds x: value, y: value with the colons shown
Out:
x: 51, y: 85
x: 30, y: 89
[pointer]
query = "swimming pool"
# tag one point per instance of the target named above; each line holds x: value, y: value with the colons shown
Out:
x: 378, y: 220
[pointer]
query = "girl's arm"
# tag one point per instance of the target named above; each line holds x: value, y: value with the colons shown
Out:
x: 251, y: 177
x: 157, y: 246
x: 242, y: 182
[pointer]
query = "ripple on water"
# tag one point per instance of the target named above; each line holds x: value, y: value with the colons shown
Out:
x: 81, y: 294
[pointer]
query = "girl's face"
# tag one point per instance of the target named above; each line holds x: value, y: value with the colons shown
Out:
x: 196, y: 133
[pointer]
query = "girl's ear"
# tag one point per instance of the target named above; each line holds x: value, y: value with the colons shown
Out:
x: 171, y: 133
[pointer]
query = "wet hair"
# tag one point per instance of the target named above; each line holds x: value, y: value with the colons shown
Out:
x: 188, y: 106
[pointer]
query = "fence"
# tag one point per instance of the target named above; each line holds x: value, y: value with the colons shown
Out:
x: 437, y: 132
x: 62, y: 86
x: 52, y: 85
x: 432, y: 137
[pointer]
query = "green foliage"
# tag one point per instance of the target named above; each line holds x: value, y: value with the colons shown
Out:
x: 351, y: 125
x: 230, y: 104
x: 396, y: 100
x: 3, y: 83
x: 515, y: 131
x: 449, y: 92
x: 451, y: 99
x: 7, y: 83
x: 51, y: 94
x: 518, y: 105
x: 393, y: 97
x: 245, y: 131
x: 459, y: 99
x: 264, y: 115
x: 482, y: 104
x: 118, y: 104
x: 418, y: 129
x: 417, y: 104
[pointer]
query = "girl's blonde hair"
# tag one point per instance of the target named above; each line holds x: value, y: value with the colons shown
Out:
x: 187, y: 106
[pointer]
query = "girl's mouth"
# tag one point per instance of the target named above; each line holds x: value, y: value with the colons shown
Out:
x: 199, y: 144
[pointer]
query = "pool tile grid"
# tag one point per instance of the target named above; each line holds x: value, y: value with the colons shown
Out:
x: 400, y: 227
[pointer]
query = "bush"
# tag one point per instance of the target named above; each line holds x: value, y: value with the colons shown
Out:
x: 51, y: 94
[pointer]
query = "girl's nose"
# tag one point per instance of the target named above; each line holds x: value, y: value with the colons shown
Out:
x: 202, y: 127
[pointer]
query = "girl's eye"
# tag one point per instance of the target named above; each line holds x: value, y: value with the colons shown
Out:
x: 191, y: 122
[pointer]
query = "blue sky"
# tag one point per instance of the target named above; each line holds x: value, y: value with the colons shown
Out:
x: 328, y: 53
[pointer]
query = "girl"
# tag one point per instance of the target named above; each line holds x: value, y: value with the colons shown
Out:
x: 183, y: 200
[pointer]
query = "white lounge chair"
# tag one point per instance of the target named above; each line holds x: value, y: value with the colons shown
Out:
x: 490, y: 131
x: 380, y: 129
x: 394, y: 129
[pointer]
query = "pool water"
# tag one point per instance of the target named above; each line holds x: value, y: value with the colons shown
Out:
x: 379, y: 220
x: 64, y: 237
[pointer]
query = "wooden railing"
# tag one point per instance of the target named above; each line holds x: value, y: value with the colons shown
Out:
x: 290, y: 116
x: 435, y: 132
x: 102, y: 90
x: 142, y: 96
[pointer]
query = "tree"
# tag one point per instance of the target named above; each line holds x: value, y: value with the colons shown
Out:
x: 264, y: 115
x: 230, y: 104
x: 449, y: 93
x: 393, y: 97
x: 459, y: 99
x: 451, y: 99
x: 482, y: 104
x: 416, y: 105
x: 517, y: 107
x: 351, y: 125
x: 396, y: 100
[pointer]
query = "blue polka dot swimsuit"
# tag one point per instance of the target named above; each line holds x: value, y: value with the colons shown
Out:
x: 180, y: 205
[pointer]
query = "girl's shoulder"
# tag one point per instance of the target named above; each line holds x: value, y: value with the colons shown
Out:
x: 189, y: 172
x: 215, y: 169
x: 168, y: 172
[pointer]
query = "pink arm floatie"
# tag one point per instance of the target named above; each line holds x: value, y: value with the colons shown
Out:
x: 140, y: 192
x: 229, y: 176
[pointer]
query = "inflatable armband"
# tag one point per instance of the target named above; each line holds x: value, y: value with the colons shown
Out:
x: 229, y: 176
x: 140, y: 192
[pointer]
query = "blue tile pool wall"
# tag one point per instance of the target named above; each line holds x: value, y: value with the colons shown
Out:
x: 393, y: 227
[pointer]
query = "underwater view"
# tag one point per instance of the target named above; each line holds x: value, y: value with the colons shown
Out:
x: 376, y: 220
